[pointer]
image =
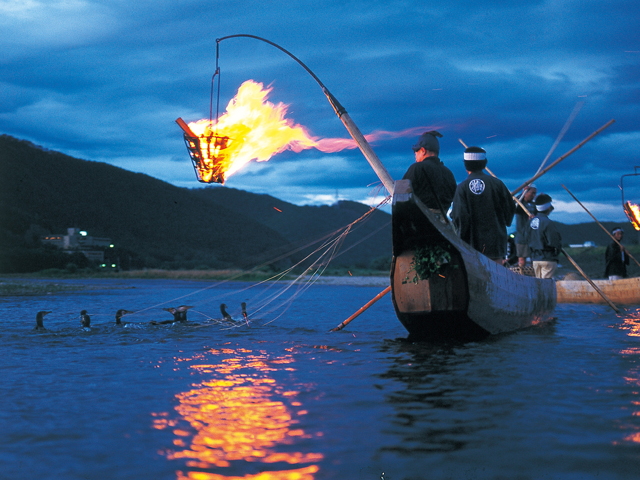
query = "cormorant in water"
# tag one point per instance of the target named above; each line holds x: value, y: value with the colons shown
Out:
x: 223, y: 310
x: 179, y: 315
x: 244, y: 312
x: 119, y: 314
x: 85, y: 320
x: 182, y: 309
x: 40, y: 319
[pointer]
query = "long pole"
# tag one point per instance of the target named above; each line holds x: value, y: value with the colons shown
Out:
x: 362, y: 309
x: 567, y: 124
x: 365, y: 148
x: 601, y: 226
x: 542, y: 172
x: 611, y: 304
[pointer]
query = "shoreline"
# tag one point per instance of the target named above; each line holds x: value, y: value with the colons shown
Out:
x: 19, y: 285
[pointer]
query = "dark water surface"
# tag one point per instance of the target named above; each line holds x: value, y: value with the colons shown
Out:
x: 285, y: 399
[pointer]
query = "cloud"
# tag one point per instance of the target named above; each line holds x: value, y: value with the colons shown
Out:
x: 106, y: 80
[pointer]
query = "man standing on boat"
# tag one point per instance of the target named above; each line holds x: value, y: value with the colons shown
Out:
x: 482, y: 208
x: 522, y: 224
x: 617, y: 258
x: 545, y: 241
x: 432, y: 182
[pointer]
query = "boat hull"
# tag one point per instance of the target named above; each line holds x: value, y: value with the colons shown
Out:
x: 621, y: 292
x: 471, y: 296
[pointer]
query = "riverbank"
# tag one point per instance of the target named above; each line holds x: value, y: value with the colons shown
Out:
x: 44, y: 284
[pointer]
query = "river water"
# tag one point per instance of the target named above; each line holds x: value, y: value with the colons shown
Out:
x: 283, y: 398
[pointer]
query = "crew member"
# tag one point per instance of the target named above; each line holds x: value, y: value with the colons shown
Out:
x: 617, y: 258
x: 432, y: 182
x: 545, y: 241
x: 522, y: 223
x: 483, y: 208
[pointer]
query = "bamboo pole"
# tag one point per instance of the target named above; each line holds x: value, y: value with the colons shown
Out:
x: 606, y: 299
x: 367, y: 151
x: 362, y: 309
x: 601, y: 226
x: 566, y: 126
x: 542, y: 172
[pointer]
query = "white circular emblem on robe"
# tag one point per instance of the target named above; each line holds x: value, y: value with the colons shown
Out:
x: 535, y: 223
x: 476, y: 186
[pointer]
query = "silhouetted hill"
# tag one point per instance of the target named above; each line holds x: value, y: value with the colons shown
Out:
x: 155, y: 224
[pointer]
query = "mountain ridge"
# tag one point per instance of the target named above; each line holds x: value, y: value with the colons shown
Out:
x: 157, y: 225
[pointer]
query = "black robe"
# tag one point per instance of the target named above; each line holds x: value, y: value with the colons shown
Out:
x: 616, y: 261
x: 483, y: 208
x: 429, y: 175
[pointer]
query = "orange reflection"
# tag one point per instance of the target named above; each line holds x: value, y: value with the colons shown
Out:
x: 241, y: 415
x: 631, y: 324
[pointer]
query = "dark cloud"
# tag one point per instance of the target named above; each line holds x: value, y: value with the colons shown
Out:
x: 105, y: 81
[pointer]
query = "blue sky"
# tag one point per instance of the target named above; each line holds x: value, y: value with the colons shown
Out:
x: 105, y: 81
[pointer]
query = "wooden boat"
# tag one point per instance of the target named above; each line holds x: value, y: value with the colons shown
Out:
x: 621, y: 292
x: 471, y: 295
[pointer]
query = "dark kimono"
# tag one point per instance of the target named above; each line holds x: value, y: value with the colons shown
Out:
x: 483, y: 208
x: 545, y: 241
x: 616, y: 261
x: 429, y: 178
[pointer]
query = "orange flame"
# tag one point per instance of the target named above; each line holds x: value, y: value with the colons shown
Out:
x: 633, y: 213
x: 254, y: 129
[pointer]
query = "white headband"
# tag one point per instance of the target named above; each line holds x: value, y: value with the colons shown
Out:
x: 542, y: 208
x: 475, y: 156
x: 618, y: 230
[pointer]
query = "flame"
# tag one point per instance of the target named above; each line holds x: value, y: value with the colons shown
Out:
x: 633, y: 213
x: 254, y: 129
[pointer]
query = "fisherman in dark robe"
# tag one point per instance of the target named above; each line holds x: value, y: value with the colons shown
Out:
x: 616, y: 258
x: 483, y: 208
x: 545, y: 241
x: 431, y: 181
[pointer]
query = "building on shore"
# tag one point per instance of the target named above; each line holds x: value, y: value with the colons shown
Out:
x: 77, y: 240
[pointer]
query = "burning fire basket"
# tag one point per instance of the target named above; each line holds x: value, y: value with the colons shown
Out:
x: 632, y: 210
x: 211, y: 164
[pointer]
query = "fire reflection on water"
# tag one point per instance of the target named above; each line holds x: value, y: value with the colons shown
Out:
x: 631, y: 324
x: 241, y: 415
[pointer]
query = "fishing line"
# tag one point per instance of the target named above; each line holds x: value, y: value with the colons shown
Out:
x: 566, y: 126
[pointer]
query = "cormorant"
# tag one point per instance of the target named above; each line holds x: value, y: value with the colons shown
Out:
x: 244, y: 312
x: 40, y: 319
x: 182, y: 309
x: 179, y: 315
x: 119, y: 314
x: 85, y: 320
x: 223, y: 310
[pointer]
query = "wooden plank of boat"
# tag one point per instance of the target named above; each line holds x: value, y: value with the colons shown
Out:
x: 471, y: 296
x: 625, y: 291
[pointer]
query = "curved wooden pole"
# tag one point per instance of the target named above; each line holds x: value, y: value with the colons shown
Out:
x: 352, y: 128
x: 362, y: 309
x: 600, y: 292
x: 601, y: 226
